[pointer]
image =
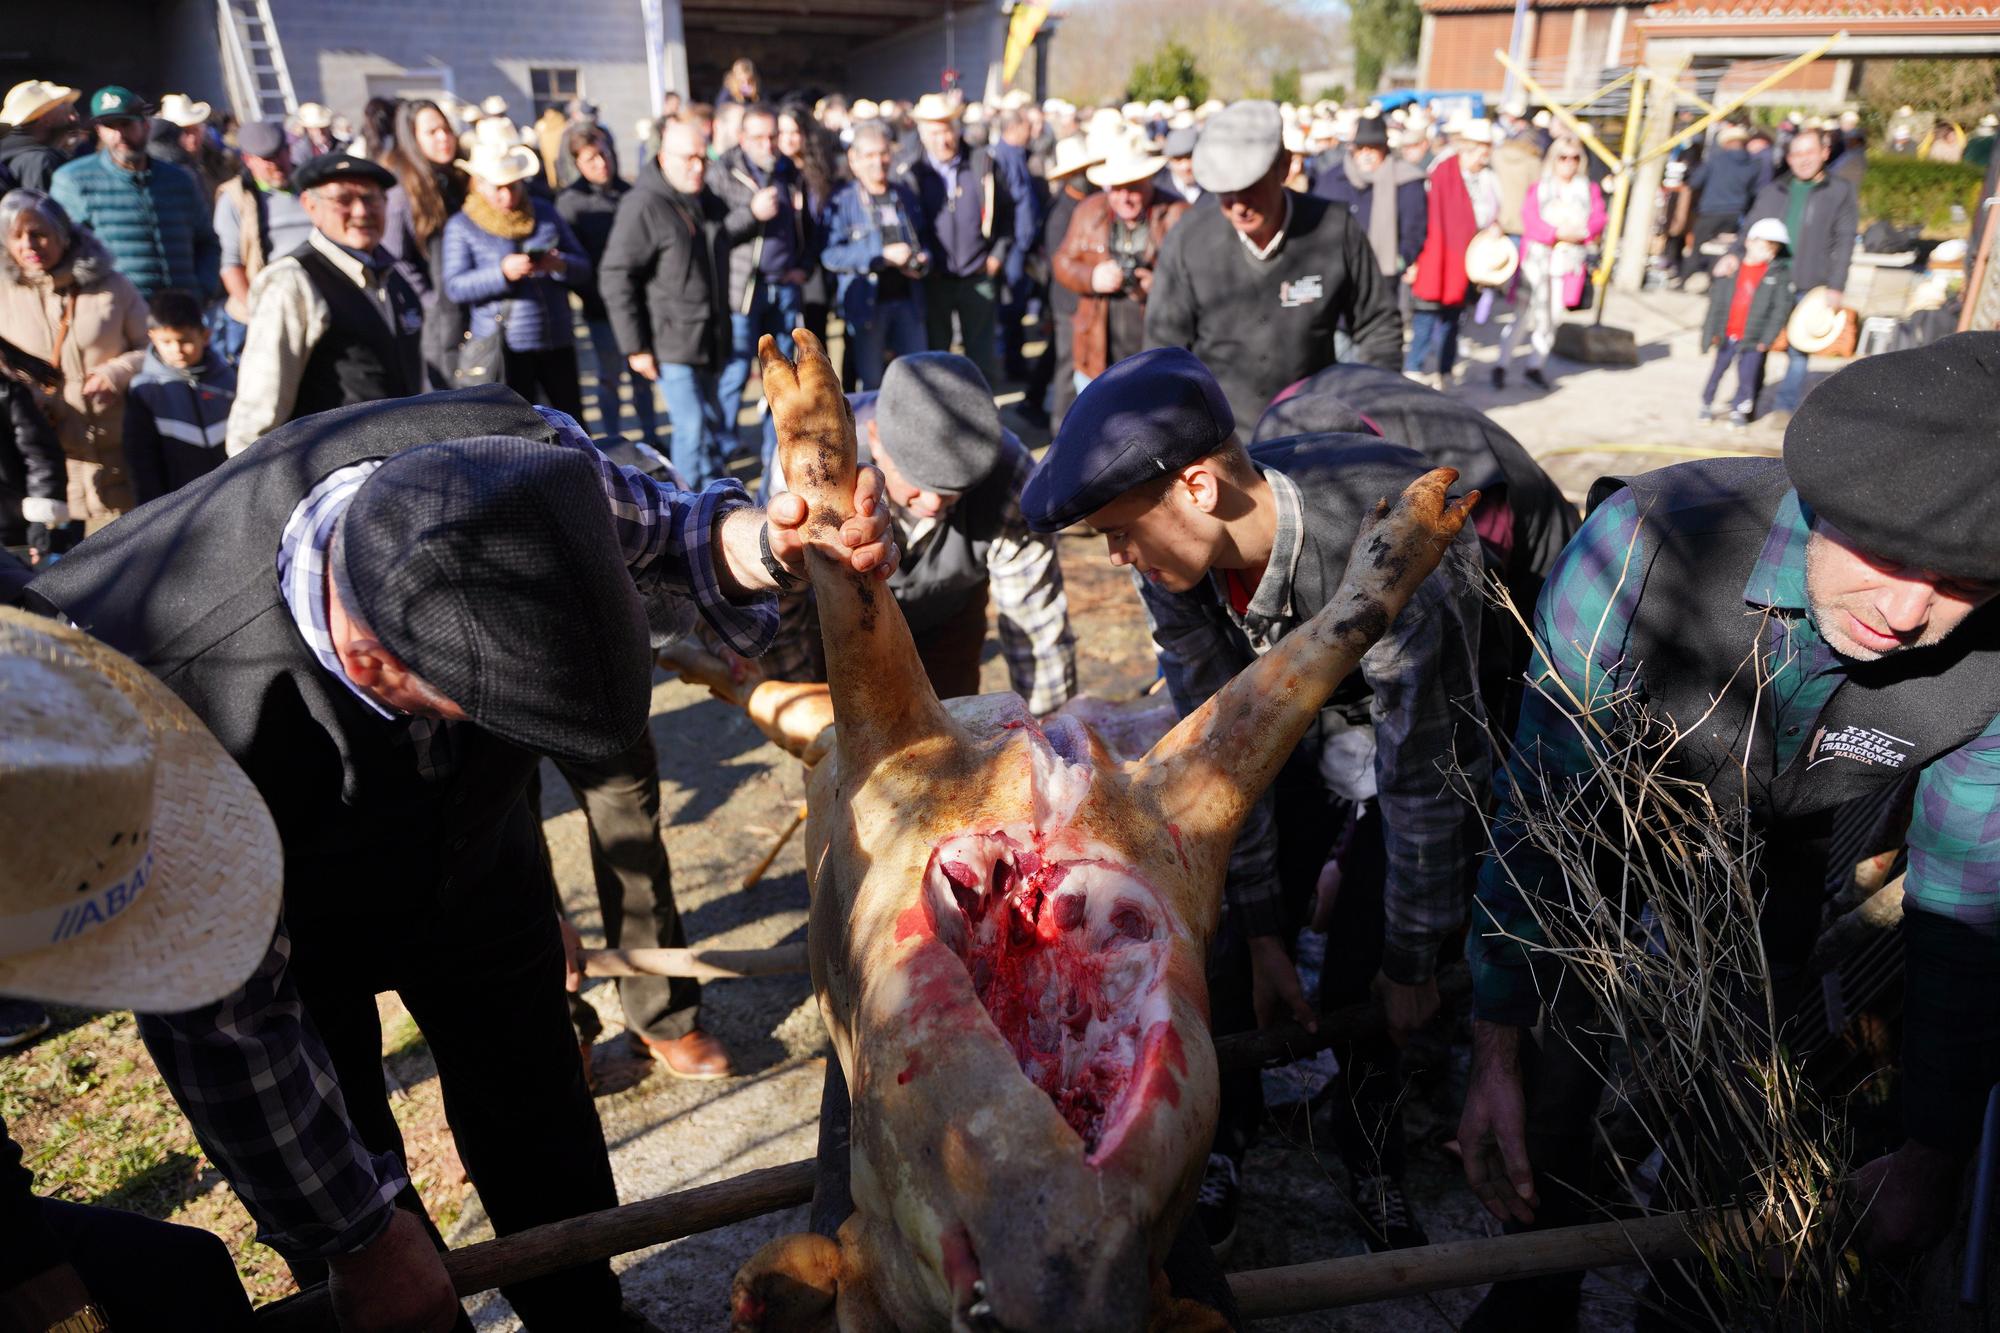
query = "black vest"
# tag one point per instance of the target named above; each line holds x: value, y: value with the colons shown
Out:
x: 359, y: 359
x: 188, y: 587
x: 1705, y: 524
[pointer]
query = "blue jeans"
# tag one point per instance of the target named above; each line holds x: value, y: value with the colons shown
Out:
x: 1792, y: 389
x: 898, y: 326
x: 1434, y: 330
x: 694, y: 408
x: 1749, y: 363
x: 775, y: 309
x: 611, y: 369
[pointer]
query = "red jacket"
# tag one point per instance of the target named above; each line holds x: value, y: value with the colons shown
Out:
x: 1441, y: 266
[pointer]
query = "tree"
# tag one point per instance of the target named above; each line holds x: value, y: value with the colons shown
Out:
x: 1385, y: 33
x: 1956, y: 90
x: 1285, y: 85
x: 1170, y: 73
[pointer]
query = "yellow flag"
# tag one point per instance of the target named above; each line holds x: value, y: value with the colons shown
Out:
x: 1021, y: 30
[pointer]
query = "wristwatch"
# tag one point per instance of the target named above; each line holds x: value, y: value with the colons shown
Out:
x: 784, y: 578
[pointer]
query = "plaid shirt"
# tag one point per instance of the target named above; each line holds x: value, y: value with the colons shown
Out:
x: 1421, y: 680
x: 250, y: 1072
x: 1029, y: 603
x: 1590, y: 598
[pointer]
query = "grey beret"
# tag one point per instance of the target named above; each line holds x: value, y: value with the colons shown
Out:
x: 261, y: 138
x: 935, y: 416
x: 1180, y: 143
x: 1238, y: 145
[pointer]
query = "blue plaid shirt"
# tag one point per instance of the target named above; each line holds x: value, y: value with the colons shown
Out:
x: 1580, y: 624
x: 250, y: 1072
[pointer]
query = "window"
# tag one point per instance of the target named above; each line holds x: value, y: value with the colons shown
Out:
x: 554, y: 88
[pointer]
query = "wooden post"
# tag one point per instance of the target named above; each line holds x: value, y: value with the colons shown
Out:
x: 539, y: 1251
x: 1648, y: 169
x: 704, y: 964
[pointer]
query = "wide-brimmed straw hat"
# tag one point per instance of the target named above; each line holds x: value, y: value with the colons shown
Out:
x: 31, y: 98
x: 1072, y: 155
x: 500, y: 163
x: 1128, y: 165
x: 314, y: 115
x: 142, y: 869
x: 184, y: 111
x: 1491, y: 258
x: 936, y: 106
x: 1815, y: 323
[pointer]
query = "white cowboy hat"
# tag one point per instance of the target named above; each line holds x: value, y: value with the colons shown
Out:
x: 1016, y: 99
x: 1072, y: 155
x: 1132, y: 111
x: 501, y: 164
x: 1208, y: 108
x: 27, y: 100
x: 937, y: 107
x: 1815, y: 324
x: 1474, y: 130
x: 864, y: 109
x: 314, y: 116
x: 183, y: 110
x: 142, y: 869
x: 1128, y: 165
x: 495, y: 105
x: 1490, y: 259
x: 495, y: 130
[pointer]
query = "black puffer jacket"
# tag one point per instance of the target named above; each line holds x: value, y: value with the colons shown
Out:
x: 31, y: 161
x: 663, y: 271
x: 31, y: 459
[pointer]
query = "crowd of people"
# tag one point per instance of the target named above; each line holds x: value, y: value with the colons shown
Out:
x: 220, y: 350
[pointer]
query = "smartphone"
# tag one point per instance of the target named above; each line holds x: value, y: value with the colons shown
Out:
x: 536, y: 252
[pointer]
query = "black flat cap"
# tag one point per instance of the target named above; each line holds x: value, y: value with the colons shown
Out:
x: 1145, y: 417
x: 1370, y: 132
x: 1897, y: 452
x: 490, y: 567
x: 339, y: 167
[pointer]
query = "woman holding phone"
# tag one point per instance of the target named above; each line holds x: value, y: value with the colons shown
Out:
x: 512, y: 261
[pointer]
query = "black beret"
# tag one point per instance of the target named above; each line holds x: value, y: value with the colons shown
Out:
x: 1147, y: 416
x: 490, y: 567
x: 1897, y: 451
x: 339, y: 167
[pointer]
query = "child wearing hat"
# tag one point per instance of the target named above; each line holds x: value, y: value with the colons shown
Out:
x: 1744, y: 317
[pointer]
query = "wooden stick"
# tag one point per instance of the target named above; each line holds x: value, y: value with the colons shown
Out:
x: 542, y: 1250
x: 1286, y: 1042
x: 706, y: 964
x: 1271, y: 1293
x: 798, y: 818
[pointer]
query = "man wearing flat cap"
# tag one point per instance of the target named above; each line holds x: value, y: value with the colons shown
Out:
x: 1861, y: 572
x: 1258, y: 288
x: 387, y: 614
x: 259, y: 218
x: 333, y: 322
x: 1235, y: 548
x: 954, y: 476
x: 1176, y: 179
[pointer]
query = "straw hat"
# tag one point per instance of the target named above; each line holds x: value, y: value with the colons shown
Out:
x: 495, y: 105
x: 864, y: 109
x: 1474, y: 130
x: 314, y: 116
x: 1128, y: 165
x: 183, y: 110
x: 1491, y: 258
x: 142, y: 869
x: 937, y: 107
x: 1208, y: 108
x: 496, y: 130
x: 29, y: 99
x: 1815, y: 325
x: 1016, y: 99
x: 1072, y: 155
x: 501, y: 164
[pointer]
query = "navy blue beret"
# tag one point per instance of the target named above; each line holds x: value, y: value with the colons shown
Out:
x: 1145, y: 417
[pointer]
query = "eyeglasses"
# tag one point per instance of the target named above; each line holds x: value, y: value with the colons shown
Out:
x: 1569, y: 157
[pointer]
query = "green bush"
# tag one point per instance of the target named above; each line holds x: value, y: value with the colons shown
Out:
x: 1910, y: 192
x: 1172, y: 72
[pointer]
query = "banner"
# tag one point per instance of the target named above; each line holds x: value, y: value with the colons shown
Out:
x: 1021, y: 29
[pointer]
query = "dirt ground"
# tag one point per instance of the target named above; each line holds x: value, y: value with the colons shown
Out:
x: 100, y: 1127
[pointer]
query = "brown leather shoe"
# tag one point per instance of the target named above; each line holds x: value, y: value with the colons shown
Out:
x: 695, y: 1056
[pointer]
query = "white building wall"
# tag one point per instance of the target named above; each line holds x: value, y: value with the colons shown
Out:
x: 910, y: 63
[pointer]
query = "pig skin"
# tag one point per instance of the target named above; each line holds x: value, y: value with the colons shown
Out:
x: 977, y: 1205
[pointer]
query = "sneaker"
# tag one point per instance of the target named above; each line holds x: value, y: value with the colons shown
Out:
x: 1218, y: 1203
x: 1534, y: 376
x: 21, y: 1021
x: 1738, y: 419
x: 1499, y: 377
x: 1384, y: 1210
x: 1704, y: 415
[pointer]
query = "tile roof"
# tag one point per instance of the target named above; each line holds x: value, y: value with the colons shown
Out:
x: 1780, y: 10
x: 1488, y: 6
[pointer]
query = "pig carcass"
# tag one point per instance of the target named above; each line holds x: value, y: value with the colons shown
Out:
x: 1007, y: 934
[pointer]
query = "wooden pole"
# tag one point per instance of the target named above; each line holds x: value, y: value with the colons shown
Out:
x: 1563, y: 113
x: 542, y: 1250
x: 757, y: 871
x: 1729, y: 104
x: 705, y: 964
x: 1621, y: 193
x: 1273, y: 1293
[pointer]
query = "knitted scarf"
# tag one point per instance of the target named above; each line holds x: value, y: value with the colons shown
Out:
x: 514, y: 225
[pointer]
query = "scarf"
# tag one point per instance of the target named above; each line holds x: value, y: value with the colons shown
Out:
x: 514, y: 225
x: 1384, y: 181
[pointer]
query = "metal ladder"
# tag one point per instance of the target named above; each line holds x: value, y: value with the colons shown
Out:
x: 260, y: 81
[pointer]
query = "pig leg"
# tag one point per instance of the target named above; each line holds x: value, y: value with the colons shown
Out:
x: 880, y: 694
x: 789, y: 1286
x: 1208, y: 770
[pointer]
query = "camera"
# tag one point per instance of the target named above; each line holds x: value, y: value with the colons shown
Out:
x: 1129, y: 264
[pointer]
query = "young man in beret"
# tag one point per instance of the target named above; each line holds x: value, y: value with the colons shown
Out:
x: 1236, y: 548
x: 954, y: 478
x: 332, y: 322
x: 1862, y: 567
x: 387, y: 614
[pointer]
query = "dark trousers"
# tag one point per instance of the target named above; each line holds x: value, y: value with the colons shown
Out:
x: 1433, y: 338
x: 148, y: 1275
x: 1749, y: 363
x: 975, y: 300
x: 1707, y: 226
x: 620, y: 797
x: 1014, y: 298
x: 950, y: 649
x: 547, y: 377
x: 480, y: 967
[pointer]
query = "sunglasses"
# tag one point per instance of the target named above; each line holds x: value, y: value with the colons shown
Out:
x: 1569, y: 157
